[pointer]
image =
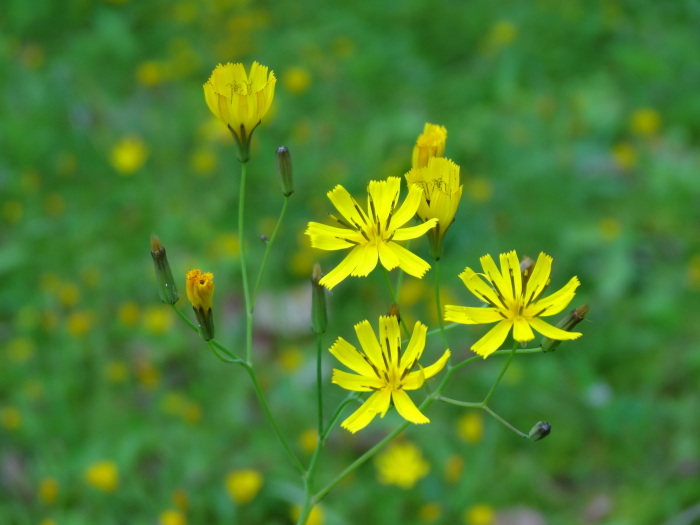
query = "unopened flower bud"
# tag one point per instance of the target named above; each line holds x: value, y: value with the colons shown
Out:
x: 283, y: 160
x: 200, y: 289
x: 394, y: 311
x: 319, y: 318
x: 568, y: 323
x: 540, y: 431
x: 166, y: 284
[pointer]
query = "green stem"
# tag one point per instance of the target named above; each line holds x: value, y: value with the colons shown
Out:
x: 438, y: 304
x: 394, y: 299
x: 258, y: 391
x: 270, y: 241
x: 232, y: 356
x: 500, y: 376
x: 499, y: 418
x: 227, y: 357
x: 319, y: 389
x: 244, y: 271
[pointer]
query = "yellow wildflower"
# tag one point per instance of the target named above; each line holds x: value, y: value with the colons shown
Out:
x: 243, y: 485
x: 470, y: 427
x: 10, y: 418
x: 103, y: 475
x: 430, y: 512
x: 48, y: 490
x: 316, y: 516
x: 296, y: 79
x: 479, y: 515
x: 172, y: 517
x: 645, y: 122
x: 401, y: 464
x: 128, y: 155
x: 200, y: 289
x: 430, y: 143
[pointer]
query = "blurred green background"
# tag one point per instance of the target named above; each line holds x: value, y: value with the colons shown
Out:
x: 576, y: 127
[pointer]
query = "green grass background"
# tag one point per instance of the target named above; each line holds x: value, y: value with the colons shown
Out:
x: 535, y: 117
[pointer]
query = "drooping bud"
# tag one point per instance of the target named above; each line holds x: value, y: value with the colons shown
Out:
x: 200, y: 289
x: 567, y: 323
x: 540, y: 431
x: 319, y: 317
x: 283, y: 161
x: 166, y: 284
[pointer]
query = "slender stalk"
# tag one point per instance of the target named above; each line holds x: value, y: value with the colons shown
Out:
x: 225, y: 358
x: 232, y: 356
x: 319, y: 384
x: 500, y: 376
x: 244, y: 271
x: 499, y: 418
x: 438, y: 304
x: 270, y: 241
x: 394, y: 299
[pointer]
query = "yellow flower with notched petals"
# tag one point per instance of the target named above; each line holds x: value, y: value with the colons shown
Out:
x: 515, y: 301
x: 200, y: 289
x: 372, y: 235
x: 439, y: 180
x: 382, y: 368
x: 430, y: 143
x: 240, y: 100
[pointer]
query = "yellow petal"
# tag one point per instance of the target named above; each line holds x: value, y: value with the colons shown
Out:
x: 510, y: 265
x: 355, y: 382
x: 493, y: 339
x: 390, y: 339
x: 383, y: 196
x: 343, y: 270
x: 553, y: 332
x: 350, y: 357
x: 347, y: 206
x: 413, y: 232
x: 539, y: 278
x: 410, y: 263
x: 415, y: 347
x: 476, y: 285
x: 556, y: 302
x: 408, y: 208
x: 370, y: 345
x: 493, y: 275
x: 408, y: 410
x: 388, y: 257
x: 522, y: 331
x: 367, y: 257
x: 361, y: 417
x: 326, y: 237
x: 438, y: 365
x: 471, y: 315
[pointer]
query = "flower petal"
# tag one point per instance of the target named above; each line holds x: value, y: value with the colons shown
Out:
x: 510, y: 268
x: 362, y: 416
x: 326, y: 237
x: 367, y: 256
x: 383, y: 195
x: 370, y: 345
x: 413, y: 232
x: 352, y: 358
x: 347, y: 206
x: 344, y: 269
x: 408, y: 208
x: 476, y: 285
x: 556, y: 302
x: 553, y: 332
x: 414, y: 349
x: 471, y: 315
x: 521, y: 330
x: 355, y: 382
x: 438, y: 365
x: 408, y: 410
x: 538, y: 279
x: 390, y: 339
x: 388, y: 257
x: 410, y: 263
x: 493, y: 339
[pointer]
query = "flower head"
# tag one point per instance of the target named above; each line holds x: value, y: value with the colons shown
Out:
x: 442, y: 192
x: 372, y: 235
x: 430, y: 143
x: 103, y: 475
x: 382, y: 368
x: 240, y: 100
x: 244, y: 485
x: 515, y: 300
x: 401, y: 464
x: 200, y: 289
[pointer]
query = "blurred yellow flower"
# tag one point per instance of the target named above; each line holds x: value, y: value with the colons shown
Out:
x: 308, y: 440
x: 402, y: 464
x: 453, y: 468
x: 479, y: 515
x: 103, y: 476
x: 291, y: 359
x: 128, y: 313
x: 624, y: 156
x: 147, y: 374
x: 470, y: 427
x: 240, y: 99
x: 226, y: 245
x: 180, y: 500
x: 172, y: 517
x: 296, y: 79
x: 128, y: 155
x: 203, y: 161
x: 20, y: 349
x: 645, y: 122
x: 316, y: 516
x: 609, y: 228
x: 151, y: 73
x: 502, y: 34
x: 412, y: 292
x: 68, y: 294
x: 47, y: 521
x: 90, y: 277
x: 10, y: 418
x: 116, y: 371
x: 157, y: 319
x: 243, y: 485
x: 79, y: 323
x: 430, y: 143
x: 478, y: 189
x: 48, y: 490
x: 430, y: 512
x: 54, y: 205
x: 12, y: 211
x: 33, y: 389
x: 191, y: 412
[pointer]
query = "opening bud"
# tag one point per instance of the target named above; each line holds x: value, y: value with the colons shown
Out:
x: 394, y: 311
x: 319, y: 317
x: 200, y: 289
x: 568, y: 323
x: 166, y: 284
x: 283, y: 160
x: 540, y: 431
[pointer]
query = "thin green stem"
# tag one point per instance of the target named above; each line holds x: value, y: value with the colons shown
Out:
x: 499, y: 418
x: 336, y: 415
x: 244, y: 271
x: 184, y: 318
x: 319, y: 384
x: 270, y: 241
x: 394, y: 299
x: 438, y: 304
x: 500, y: 376
x: 215, y: 348
x: 261, y: 397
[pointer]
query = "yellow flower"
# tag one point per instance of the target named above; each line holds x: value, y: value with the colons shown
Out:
x: 430, y: 512
x: 200, y: 289
x: 48, y: 490
x: 401, y: 464
x: 453, y: 468
x: 243, y: 485
x: 128, y: 155
x: 172, y: 517
x: 308, y: 440
x: 372, y: 235
x: 240, y: 100
x: 439, y: 180
x: 384, y: 370
x: 103, y: 475
x: 470, y: 427
x: 430, y: 143
x: 645, y: 122
x: 296, y: 79
x: 10, y: 418
x: 515, y: 301
x: 316, y: 516
x: 79, y: 323
x: 624, y: 156
x: 479, y: 515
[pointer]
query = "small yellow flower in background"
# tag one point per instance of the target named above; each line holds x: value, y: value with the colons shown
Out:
x: 515, y: 301
x: 291, y: 359
x: 439, y: 180
x: 180, y: 500
x: 79, y: 323
x: 20, y: 349
x: 316, y: 516
x: 128, y: 313
x: 480, y: 515
x: 116, y: 371
x: 240, y: 100
x: 296, y: 79
x: 470, y: 427
x: 645, y: 122
x: 243, y: 485
x: 225, y: 245
x: 68, y: 294
x: 478, y: 189
x: 191, y: 412
x: 33, y: 389
x: 454, y: 466
x: 12, y: 211
x: 430, y: 512
x: 430, y: 143
x: 308, y: 440
x: 502, y: 34
x: 157, y: 319
x: 609, y: 228
x: 412, y: 292
x: 48, y: 490
x: 200, y: 290
x: 401, y: 464
x: 694, y: 272
x: 47, y: 521
x: 384, y: 370
x: 10, y: 418
x: 372, y: 235
x: 172, y: 517
x: 54, y: 205
x: 103, y: 475
x: 624, y: 156
x: 151, y: 73
x: 128, y: 155
x: 147, y: 374
x: 203, y: 161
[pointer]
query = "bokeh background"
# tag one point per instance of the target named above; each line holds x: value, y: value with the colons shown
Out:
x: 576, y: 127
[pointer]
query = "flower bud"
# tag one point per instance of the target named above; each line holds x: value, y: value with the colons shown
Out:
x: 540, y: 431
x: 394, y: 311
x: 283, y: 160
x: 568, y: 323
x: 319, y: 318
x: 200, y: 289
x: 166, y: 284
